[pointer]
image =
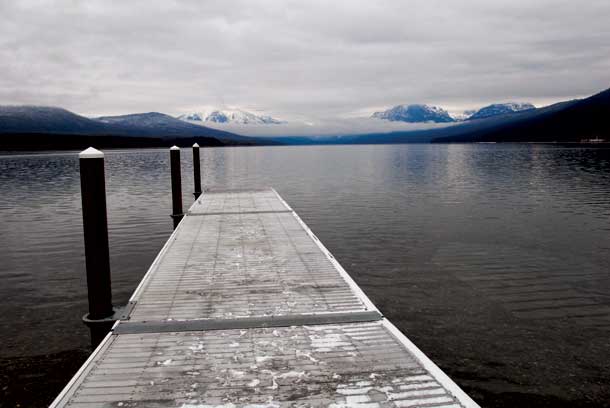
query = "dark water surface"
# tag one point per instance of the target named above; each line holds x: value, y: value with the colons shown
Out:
x: 494, y: 259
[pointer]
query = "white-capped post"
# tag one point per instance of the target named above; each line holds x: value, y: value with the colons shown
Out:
x: 174, y: 160
x: 95, y: 226
x: 196, y: 171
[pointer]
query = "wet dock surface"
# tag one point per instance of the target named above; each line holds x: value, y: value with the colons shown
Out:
x: 244, y: 307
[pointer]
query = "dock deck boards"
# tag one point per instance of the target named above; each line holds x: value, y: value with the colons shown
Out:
x: 244, y: 307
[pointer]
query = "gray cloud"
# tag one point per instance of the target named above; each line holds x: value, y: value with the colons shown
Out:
x: 299, y: 60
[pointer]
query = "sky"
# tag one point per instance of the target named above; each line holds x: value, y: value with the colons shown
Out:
x: 301, y: 61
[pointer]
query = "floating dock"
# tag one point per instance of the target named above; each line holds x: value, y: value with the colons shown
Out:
x: 244, y: 307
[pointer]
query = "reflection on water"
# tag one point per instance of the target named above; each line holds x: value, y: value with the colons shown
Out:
x: 494, y: 259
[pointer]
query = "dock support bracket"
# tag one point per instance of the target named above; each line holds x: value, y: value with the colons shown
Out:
x: 100, y: 327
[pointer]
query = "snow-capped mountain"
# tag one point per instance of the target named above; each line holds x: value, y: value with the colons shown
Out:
x: 160, y: 124
x: 461, y: 116
x: 232, y: 116
x: 415, y: 114
x: 53, y: 126
x: 500, y: 109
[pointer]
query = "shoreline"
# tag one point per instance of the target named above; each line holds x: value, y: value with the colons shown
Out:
x: 44, y: 150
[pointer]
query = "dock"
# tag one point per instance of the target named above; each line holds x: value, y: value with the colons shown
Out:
x: 245, y: 307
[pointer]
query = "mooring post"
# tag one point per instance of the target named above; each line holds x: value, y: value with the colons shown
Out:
x: 97, y: 254
x: 174, y: 159
x: 196, y: 171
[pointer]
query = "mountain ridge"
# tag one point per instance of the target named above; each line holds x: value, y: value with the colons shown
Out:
x: 492, y: 129
x: 234, y: 116
x: 497, y: 109
x: 568, y: 121
x: 62, y: 125
x: 422, y: 113
x: 415, y: 113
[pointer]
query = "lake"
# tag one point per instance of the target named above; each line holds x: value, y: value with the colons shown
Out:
x: 493, y: 259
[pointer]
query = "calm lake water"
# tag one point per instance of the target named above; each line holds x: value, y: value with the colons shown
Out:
x: 493, y: 259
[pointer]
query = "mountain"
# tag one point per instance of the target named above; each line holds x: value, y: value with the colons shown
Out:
x: 500, y: 109
x: 235, y: 116
x: 563, y: 122
x: 44, y: 119
x: 414, y: 114
x: 459, y: 117
x: 426, y: 113
x: 51, y: 127
x: 570, y: 121
x: 161, y: 125
x: 44, y: 127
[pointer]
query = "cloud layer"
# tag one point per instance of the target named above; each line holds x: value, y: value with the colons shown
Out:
x: 330, y: 127
x: 299, y: 60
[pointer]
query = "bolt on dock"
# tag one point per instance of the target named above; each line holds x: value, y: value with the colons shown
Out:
x: 245, y: 307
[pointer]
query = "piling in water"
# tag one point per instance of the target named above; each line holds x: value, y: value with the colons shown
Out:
x: 97, y: 254
x: 196, y: 171
x: 174, y: 158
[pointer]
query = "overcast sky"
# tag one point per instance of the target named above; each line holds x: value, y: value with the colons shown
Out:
x: 302, y: 61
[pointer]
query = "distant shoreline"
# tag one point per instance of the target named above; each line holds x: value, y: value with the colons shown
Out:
x: 59, y: 141
x: 69, y: 143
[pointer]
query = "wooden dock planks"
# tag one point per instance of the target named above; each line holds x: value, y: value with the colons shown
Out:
x: 244, y: 307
